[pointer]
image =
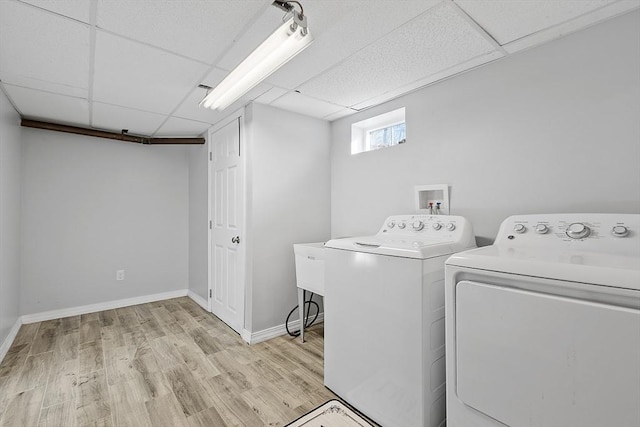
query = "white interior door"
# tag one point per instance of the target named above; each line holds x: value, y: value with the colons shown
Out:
x: 226, y: 285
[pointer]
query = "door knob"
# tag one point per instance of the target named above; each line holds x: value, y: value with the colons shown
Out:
x: 235, y: 239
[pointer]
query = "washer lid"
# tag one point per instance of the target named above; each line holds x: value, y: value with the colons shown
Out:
x: 406, y: 248
x: 574, y: 266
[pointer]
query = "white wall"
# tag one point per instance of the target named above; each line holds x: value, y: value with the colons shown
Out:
x: 10, y: 165
x: 92, y: 206
x: 198, y: 220
x: 288, y: 202
x: 552, y: 129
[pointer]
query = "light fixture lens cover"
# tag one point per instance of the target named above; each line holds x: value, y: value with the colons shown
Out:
x: 280, y: 47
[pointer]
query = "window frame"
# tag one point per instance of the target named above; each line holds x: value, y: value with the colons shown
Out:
x: 361, y: 131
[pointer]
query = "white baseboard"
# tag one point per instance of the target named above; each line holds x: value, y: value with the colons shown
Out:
x: 249, y: 337
x: 6, y: 344
x: 246, y: 336
x: 198, y: 299
x: 276, y: 331
x: 92, y: 308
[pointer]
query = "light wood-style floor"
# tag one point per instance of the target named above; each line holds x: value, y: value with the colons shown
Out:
x: 168, y: 363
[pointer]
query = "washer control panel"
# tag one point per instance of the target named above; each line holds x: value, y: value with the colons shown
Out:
x: 422, y: 225
x: 610, y: 233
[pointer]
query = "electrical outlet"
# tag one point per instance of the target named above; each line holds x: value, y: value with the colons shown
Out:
x: 119, y: 274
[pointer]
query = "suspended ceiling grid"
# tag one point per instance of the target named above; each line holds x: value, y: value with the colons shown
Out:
x: 137, y: 64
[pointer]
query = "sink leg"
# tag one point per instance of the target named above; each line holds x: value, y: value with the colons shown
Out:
x: 301, y: 298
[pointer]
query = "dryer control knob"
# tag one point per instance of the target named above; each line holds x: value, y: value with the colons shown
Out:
x: 519, y: 228
x: 578, y: 230
x: 542, y: 229
x: 391, y: 224
x: 402, y: 225
x: 417, y: 225
x: 451, y: 226
x: 437, y: 226
x: 620, y: 231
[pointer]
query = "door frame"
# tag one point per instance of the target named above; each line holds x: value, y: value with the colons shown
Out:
x: 238, y: 115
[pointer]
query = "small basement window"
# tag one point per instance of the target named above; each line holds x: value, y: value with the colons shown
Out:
x: 385, y: 130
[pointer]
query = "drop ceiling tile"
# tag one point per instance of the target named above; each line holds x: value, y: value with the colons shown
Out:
x: 190, y: 108
x: 115, y: 118
x: 580, y: 22
x: 49, y: 107
x: 508, y: 20
x: 75, y: 9
x: 176, y: 127
x: 448, y: 72
x: 36, y: 45
x: 199, y: 29
x: 264, y: 24
x: 340, y: 28
x: 340, y: 114
x: 45, y: 86
x: 306, y: 105
x: 434, y: 41
x: 214, y: 77
x: 271, y: 95
x: 141, y: 77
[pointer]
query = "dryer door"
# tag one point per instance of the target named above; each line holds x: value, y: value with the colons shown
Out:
x: 528, y: 358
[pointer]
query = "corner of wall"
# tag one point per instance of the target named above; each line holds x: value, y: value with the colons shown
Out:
x: 10, y: 222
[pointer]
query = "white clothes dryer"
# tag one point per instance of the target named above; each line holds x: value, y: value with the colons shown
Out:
x: 384, y: 318
x: 543, y: 327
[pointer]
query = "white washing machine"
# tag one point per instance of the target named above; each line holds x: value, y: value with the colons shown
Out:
x: 543, y: 327
x: 384, y: 318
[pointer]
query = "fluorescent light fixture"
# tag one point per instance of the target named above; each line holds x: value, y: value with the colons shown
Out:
x: 286, y: 42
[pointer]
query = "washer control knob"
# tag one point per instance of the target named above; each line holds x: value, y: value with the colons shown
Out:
x: 402, y: 225
x: 391, y: 224
x: 620, y: 231
x: 519, y: 228
x: 578, y: 230
x: 542, y: 229
x: 451, y: 226
x: 437, y: 226
x: 417, y: 225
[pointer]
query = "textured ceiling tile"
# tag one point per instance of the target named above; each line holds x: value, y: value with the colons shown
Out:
x: 38, y: 45
x: 45, y: 86
x: 456, y: 69
x: 76, y: 9
x: 175, y: 127
x: 434, y: 41
x: 347, y: 28
x: 141, y: 77
x: 35, y: 104
x: 190, y: 108
x: 271, y: 95
x: 302, y: 104
x: 260, y: 29
x: 116, y: 118
x: 568, y: 27
x: 340, y: 28
x: 214, y: 77
x: 340, y: 114
x: 508, y: 20
x: 199, y: 29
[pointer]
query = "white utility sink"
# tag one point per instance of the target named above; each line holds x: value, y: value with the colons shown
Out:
x: 310, y: 266
x: 309, y: 274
